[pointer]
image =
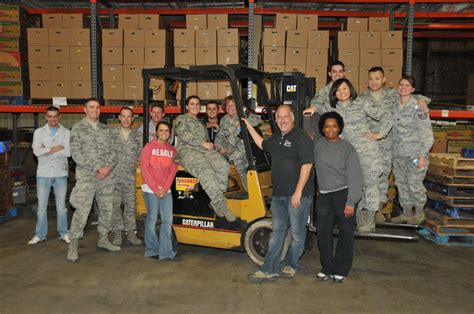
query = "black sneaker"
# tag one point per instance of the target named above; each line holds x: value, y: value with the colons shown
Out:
x: 338, y: 279
x: 322, y: 277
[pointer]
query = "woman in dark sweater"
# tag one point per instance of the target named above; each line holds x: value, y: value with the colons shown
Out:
x: 340, y: 189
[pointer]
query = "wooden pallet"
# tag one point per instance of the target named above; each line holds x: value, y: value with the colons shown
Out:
x: 452, y: 160
x: 443, y: 178
x: 467, y: 202
x: 447, y: 239
x: 447, y: 221
x: 453, y: 172
x: 454, y: 190
x: 451, y: 211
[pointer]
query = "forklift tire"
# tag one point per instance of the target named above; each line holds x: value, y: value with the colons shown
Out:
x: 256, y: 240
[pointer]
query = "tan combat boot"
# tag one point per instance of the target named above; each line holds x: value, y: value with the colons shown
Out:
x: 72, y: 254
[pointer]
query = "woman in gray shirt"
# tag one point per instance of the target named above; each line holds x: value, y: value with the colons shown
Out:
x: 340, y: 189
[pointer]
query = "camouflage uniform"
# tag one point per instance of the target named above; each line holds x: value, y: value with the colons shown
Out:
x: 412, y: 137
x: 322, y: 96
x: 228, y: 139
x: 209, y: 167
x: 356, y: 127
x: 127, y: 152
x: 385, y: 143
x: 91, y: 148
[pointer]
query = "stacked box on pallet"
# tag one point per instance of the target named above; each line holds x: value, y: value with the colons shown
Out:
x: 318, y: 54
x: 10, y: 58
x: 450, y: 191
x: 59, y: 57
x: 368, y: 43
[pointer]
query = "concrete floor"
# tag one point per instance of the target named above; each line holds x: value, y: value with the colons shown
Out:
x: 387, y: 277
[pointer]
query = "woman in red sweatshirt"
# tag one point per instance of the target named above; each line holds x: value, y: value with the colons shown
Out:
x: 158, y: 171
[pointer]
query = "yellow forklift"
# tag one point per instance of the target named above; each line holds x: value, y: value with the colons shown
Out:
x: 194, y: 222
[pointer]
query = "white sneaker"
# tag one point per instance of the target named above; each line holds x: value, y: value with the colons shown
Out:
x: 288, y: 272
x: 339, y: 279
x: 65, y: 239
x: 35, y: 240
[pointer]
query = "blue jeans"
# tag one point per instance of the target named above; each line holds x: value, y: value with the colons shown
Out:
x: 43, y: 188
x: 162, y: 247
x: 284, y: 216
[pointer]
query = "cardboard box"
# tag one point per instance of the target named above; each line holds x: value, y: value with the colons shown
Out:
x: 206, y: 38
x: 38, y: 36
x: 297, y: 38
x: 155, y: 57
x: 318, y: 39
x: 217, y: 21
x: 357, y: 24
x: 40, y: 89
x: 81, y: 89
x: 11, y: 89
x: 79, y: 37
x: 36, y: 54
x: 350, y: 57
x: 39, y: 72
x: 158, y: 88
x: 185, y: 56
x: 274, y: 68
x: 273, y: 37
x: 317, y: 57
x: 59, y: 54
x: 392, y: 75
x: 296, y: 56
x: 455, y: 132
x: 295, y: 68
x: 206, y: 55
x: 133, y: 90
x: 58, y: 37
x: 224, y: 89
x: 9, y: 29
x: 379, y: 24
x: 132, y: 73
x: 133, y: 55
x: 133, y: 38
x: 348, y: 40
x: 9, y: 44
x: 196, y: 21
x: 286, y: 21
x: 155, y: 38
x: 112, y: 55
x: 360, y: 88
x: 112, y: 38
x: 228, y: 55
x: 364, y: 74
x: 12, y: 59
x: 113, y: 90
x: 392, y: 57
x: 307, y: 22
x: 80, y: 55
x: 352, y: 74
x: 9, y: 13
x: 81, y: 72
x: 52, y: 20
x: 456, y: 146
x: 369, y: 40
x: 191, y: 89
x: 60, y: 72
x: 128, y: 21
x: 207, y: 89
x: 370, y: 57
x: 148, y: 21
x: 73, y: 20
x: 274, y: 55
x: 391, y: 40
x: 112, y: 73
x: 184, y: 38
x: 228, y: 37
x: 439, y: 146
x: 61, y: 89
x: 318, y: 72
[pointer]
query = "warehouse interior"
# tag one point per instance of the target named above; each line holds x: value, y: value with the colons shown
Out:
x: 64, y: 52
